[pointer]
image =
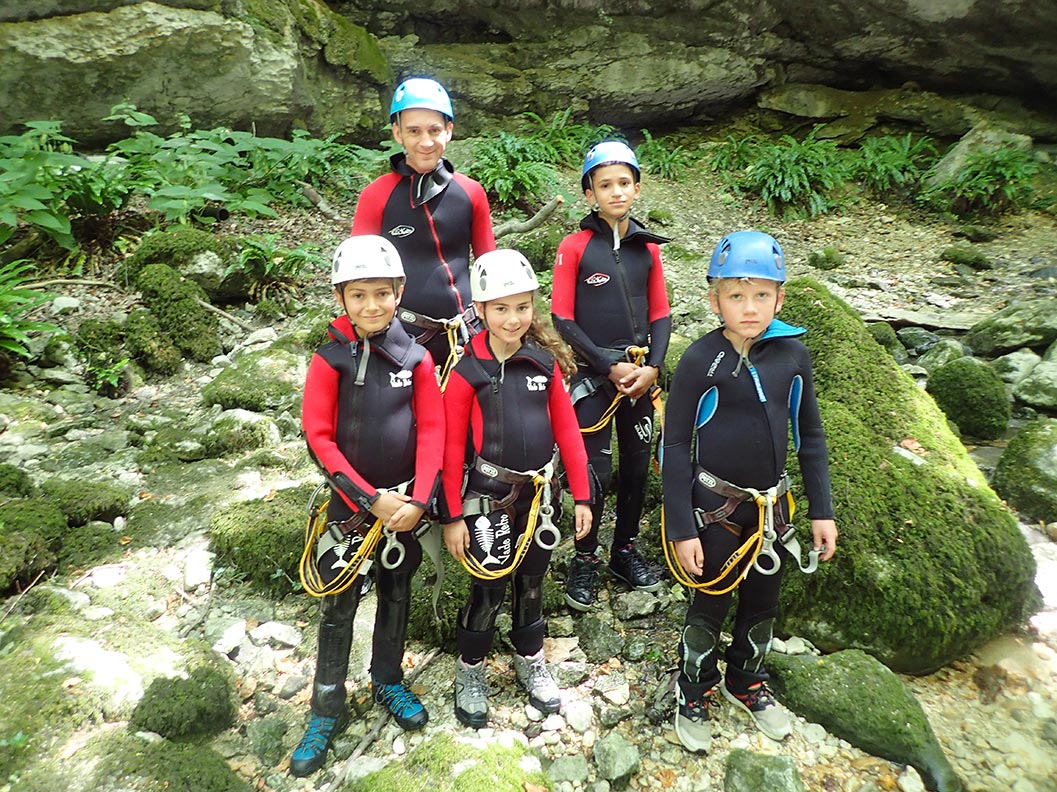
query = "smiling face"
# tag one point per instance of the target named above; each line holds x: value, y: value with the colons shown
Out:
x: 746, y: 307
x: 370, y: 303
x: 507, y: 319
x: 425, y: 135
x: 613, y: 188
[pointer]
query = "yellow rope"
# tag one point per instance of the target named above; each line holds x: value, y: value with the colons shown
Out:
x: 634, y: 355
x: 307, y: 568
x: 751, y: 545
x: 481, y: 572
x: 451, y: 330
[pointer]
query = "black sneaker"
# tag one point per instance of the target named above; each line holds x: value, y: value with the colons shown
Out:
x: 626, y: 563
x: 581, y: 581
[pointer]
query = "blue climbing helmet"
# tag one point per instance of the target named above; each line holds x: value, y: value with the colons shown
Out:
x: 423, y: 93
x: 748, y: 254
x: 608, y: 152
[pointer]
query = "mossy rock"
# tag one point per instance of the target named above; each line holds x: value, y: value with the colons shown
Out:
x: 263, y: 539
x: 966, y: 256
x: 200, y: 704
x: 449, y: 763
x: 747, y: 771
x: 15, y: 482
x: 175, y: 247
x: 307, y: 331
x: 86, y: 545
x: 916, y: 580
x: 829, y: 258
x: 174, y: 301
x: 82, y: 501
x: 885, y: 335
x: 1026, y: 474
x: 859, y: 700
x: 31, y: 533
x: 972, y: 395
x: 235, y: 431
x: 267, y: 379
x: 150, y: 346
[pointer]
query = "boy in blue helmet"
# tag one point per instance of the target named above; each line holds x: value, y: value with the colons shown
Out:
x: 737, y: 395
x: 433, y: 215
x: 610, y: 304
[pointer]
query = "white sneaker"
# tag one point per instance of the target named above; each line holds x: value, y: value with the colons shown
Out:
x: 535, y: 677
x: 692, y: 726
x: 770, y: 716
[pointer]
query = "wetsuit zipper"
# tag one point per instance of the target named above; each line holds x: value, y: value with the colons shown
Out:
x: 636, y: 338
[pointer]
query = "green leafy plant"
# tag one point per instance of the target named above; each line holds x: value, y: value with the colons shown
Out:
x: 660, y: 159
x: 891, y: 163
x: 734, y: 153
x: 797, y: 177
x: 513, y: 168
x: 991, y: 182
x: 16, y: 299
x: 562, y: 142
x: 272, y: 269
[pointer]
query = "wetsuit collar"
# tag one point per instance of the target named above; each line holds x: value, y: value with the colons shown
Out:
x: 636, y: 231
x: 528, y: 352
x: 779, y: 329
x: 394, y: 342
x: 424, y: 186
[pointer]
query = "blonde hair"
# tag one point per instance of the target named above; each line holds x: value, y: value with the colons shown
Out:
x: 546, y: 338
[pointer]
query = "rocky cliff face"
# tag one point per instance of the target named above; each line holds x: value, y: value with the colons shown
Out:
x: 280, y: 64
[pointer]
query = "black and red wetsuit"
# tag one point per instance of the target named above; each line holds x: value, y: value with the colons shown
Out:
x: 434, y: 220
x: 513, y: 413
x: 380, y: 432
x: 734, y: 418
x: 606, y: 298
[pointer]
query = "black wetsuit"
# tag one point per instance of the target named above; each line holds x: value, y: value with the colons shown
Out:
x: 739, y: 414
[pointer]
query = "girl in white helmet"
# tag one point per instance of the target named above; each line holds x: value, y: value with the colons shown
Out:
x: 508, y: 396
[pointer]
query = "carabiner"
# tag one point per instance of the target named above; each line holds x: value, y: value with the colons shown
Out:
x: 392, y: 544
x: 774, y: 562
x: 548, y: 527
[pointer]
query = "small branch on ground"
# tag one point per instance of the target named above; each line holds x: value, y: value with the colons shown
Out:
x: 521, y: 226
x: 341, y: 772
x: 20, y: 596
x: 317, y: 200
x: 234, y: 319
x: 72, y: 282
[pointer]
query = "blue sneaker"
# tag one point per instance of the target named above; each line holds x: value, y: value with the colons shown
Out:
x: 311, y: 752
x: 404, y: 705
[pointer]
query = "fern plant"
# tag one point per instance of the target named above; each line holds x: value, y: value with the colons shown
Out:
x: 271, y: 269
x: 797, y: 177
x: 513, y: 168
x: 17, y: 298
x: 991, y: 182
x: 891, y: 163
x: 561, y: 141
x: 660, y: 159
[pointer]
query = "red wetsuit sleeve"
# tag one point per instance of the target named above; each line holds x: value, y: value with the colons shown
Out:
x: 319, y: 417
x: 482, y: 235
x: 429, y: 422
x: 570, y: 442
x: 458, y: 402
x: 371, y: 204
x: 563, y: 284
x: 656, y: 290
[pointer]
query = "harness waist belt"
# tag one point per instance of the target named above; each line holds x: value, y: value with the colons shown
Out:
x: 735, y: 495
x: 407, y: 316
x: 484, y: 504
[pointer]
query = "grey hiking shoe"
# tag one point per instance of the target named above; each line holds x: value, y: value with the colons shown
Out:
x: 771, y: 718
x: 692, y: 725
x: 471, y: 694
x: 537, y: 681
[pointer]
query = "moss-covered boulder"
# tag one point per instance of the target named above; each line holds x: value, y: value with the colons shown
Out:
x: 174, y: 301
x: 267, y: 379
x: 859, y: 700
x: 15, y: 482
x: 1026, y: 474
x: 199, y: 704
x: 31, y: 531
x: 82, y: 500
x: 263, y: 539
x: 183, y: 248
x: 885, y: 335
x: 972, y: 395
x: 747, y: 771
x: 149, y: 346
x: 235, y: 431
x: 447, y: 762
x: 916, y: 581
x: 1032, y: 323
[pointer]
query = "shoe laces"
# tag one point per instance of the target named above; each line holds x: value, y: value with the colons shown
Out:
x: 538, y: 673
x: 320, y: 730
x: 634, y: 561
x: 757, y: 698
x: 584, y: 572
x: 398, y: 698
x: 473, y: 680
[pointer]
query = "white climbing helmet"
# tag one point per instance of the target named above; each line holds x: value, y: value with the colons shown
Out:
x: 367, y: 256
x: 500, y: 273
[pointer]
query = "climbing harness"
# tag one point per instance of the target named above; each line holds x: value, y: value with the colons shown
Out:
x: 545, y: 534
x: 588, y: 386
x: 758, y: 551
x: 321, y: 536
x: 458, y: 330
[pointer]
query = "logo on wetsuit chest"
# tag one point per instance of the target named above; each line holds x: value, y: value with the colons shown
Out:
x: 537, y: 383
x: 715, y: 363
x: 598, y: 279
x: 400, y: 379
x: 402, y: 231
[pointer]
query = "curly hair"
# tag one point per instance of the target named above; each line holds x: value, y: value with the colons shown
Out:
x: 546, y: 337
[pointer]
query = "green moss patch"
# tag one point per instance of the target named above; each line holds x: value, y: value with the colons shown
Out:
x: 150, y: 346
x: 175, y: 303
x: 175, y: 247
x: 972, y: 395
x: 1026, y: 474
x: 31, y: 533
x: 82, y: 501
x: 15, y: 482
x: 268, y: 379
x: 200, y: 704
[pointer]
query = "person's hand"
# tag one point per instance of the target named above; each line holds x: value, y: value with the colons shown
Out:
x: 388, y: 504
x: 638, y: 383
x: 619, y: 370
x: 457, y: 539
x: 582, y: 520
x: 691, y: 555
x: 824, y: 533
x: 407, y: 518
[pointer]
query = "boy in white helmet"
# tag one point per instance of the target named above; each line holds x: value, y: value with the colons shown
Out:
x: 507, y: 395
x: 374, y: 423
x: 433, y: 215
x: 737, y: 396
